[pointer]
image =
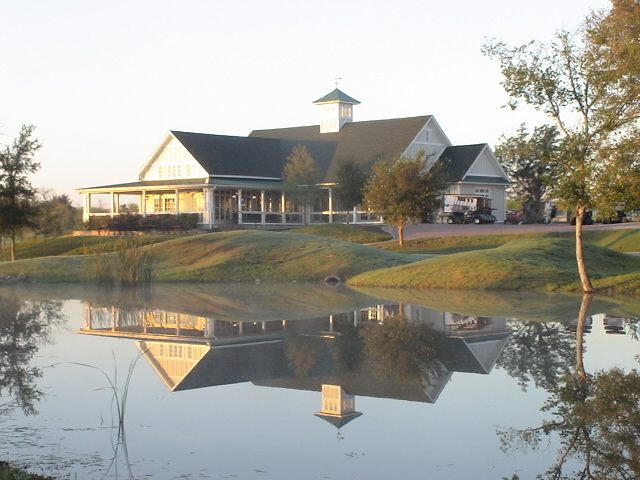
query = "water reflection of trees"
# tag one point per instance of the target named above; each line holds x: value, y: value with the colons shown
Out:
x: 596, y: 418
x: 399, y: 349
x: 537, y: 352
x: 404, y: 351
x: 24, y: 326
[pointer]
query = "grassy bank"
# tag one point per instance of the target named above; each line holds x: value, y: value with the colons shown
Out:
x: 532, y: 264
x: 348, y: 233
x: 237, y: 256
x: 70, y: 245
x: 623, y: 240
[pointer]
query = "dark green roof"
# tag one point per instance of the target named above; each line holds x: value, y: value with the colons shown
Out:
x: 459, y: 159
x: 251, y: 157
x: 366, y: 142
x: 338, y: 421
x: 167, y: 184
x: 337, y: 96
x: 141, y: 185
x: 484, y: 179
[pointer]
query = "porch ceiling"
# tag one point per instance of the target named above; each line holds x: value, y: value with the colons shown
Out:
x: 173, y: 184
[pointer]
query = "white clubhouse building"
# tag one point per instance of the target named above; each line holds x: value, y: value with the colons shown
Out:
x: 239, y: 180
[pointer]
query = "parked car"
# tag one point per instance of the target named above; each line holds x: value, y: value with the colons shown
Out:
x: 587, y: 219
x: 621, y: 217
x: 515, y: 217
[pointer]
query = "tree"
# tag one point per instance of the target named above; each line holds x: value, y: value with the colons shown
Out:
x: 351, y: 182
x: 17, y: 209
x: 529, y: 160
x: 403, y: 192
x: 301, y: 178
x: 595, y: 105
x: 56, y: 215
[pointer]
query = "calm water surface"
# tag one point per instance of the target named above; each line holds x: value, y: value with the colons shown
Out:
x: 293, y: 381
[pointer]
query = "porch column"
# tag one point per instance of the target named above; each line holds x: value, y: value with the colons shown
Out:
x: 209, y: 205
x: 330, y: 205
x: 113, y: 203
x: 86, y: 212
x: 355, y: 215
x: 239, y: 206
x: 177, y: 194
x: 283, y: 200
x: 263, y: 218
x: 143, y: 203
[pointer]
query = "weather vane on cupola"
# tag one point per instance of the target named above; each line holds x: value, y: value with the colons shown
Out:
x: 337, y: 79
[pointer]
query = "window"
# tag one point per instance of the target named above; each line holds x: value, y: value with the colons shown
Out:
x: 170, y: 204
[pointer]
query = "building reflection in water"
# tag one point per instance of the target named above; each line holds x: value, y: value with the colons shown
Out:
x: 338, y: 406
x: 189, y: 351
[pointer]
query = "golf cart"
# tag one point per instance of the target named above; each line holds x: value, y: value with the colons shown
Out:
x: 467, y: 209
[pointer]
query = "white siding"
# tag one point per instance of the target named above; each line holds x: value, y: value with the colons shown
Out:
x: 430, y: 140
x: 486, y: 165
x: 173, y: 161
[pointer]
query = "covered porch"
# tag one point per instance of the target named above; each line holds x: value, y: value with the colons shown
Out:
x: 257, y: 203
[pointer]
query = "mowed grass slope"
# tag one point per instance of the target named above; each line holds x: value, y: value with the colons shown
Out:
x: 532, y: 264
x: 238, y: 256
x: 349, y: 233
x: 621, y: 240
x: 72, y: 245
x: 259, y: 255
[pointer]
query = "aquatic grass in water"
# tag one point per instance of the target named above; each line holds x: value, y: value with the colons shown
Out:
x: 118, y: 408
x: 125, y: 263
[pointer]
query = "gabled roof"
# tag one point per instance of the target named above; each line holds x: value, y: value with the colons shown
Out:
x: 366, y: 142
x: 459, y: 159
x: 222, y: 155
x: 337, y: 96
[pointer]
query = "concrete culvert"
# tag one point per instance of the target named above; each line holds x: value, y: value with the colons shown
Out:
x: 333, y: 280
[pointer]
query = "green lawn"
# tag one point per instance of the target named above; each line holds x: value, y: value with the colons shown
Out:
x: 70, y: 245
x: 348, y: 233
x: 532, y: 264
x: 623, y: 240
x: 237, y: 256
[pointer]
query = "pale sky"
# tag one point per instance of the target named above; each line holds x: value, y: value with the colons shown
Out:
x: 104, y: 81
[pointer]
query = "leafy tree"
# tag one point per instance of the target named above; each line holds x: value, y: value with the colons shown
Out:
x: 529, y: 160
x: 56, y: 215
x: 351, y: 182
x: 403, y: 192
x: 17, y: 208
x: 301, y: 178
x: 579, y: 84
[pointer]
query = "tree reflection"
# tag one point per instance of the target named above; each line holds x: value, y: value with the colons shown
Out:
x: 596, y: 418
x: 537, y: 352
x: 403, y: 351
x: 24, y: 325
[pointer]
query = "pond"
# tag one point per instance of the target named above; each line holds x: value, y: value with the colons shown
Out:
x: 302, y: 381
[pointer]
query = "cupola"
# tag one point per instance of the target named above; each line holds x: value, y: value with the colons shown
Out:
x: 337, y: 110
